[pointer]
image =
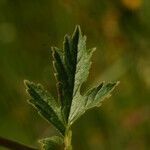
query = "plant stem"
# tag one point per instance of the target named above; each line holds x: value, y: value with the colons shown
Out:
x: 67, y: 140
x: 14, y: 145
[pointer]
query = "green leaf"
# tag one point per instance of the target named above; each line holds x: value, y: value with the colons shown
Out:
x: 97, y: 95
x: 71, y: 65
x: 46, y: 105
x: 52, y: 143
x: 65, y: 64
x: 93, y: 98
x: 83, y: 64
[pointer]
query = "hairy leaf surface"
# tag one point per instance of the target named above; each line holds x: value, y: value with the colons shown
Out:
x: 46, y: 105
x: 71, y: 65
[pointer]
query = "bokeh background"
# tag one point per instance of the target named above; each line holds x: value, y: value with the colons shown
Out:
x: 120, y: 29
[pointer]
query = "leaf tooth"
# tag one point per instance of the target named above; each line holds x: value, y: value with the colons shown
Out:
x: 59, y: 66
x: 77, y: 32
x: 106, y: 89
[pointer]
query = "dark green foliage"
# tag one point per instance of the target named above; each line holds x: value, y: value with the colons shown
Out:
x: 46, y: 105
x: 71, y: 66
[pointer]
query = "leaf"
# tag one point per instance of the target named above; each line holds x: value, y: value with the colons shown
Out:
x: 93, y: 98
x: 52, y: 143
x: 65, y: 64
x: 82, y: 70
x: 70, y: 72
x: 46, y: 105
x: 82, y: 103
x: 71, y: 65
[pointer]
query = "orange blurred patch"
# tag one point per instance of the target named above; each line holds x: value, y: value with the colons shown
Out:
x: 110, y: 23
x: 132, y: 4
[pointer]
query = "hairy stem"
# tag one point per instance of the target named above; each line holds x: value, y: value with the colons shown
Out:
x: 14, y: 145
x: 67, y: 140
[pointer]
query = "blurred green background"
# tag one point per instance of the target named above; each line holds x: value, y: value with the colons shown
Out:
x: 120, y: 29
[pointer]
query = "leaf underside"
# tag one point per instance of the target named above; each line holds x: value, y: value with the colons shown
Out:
x: 71, y: 65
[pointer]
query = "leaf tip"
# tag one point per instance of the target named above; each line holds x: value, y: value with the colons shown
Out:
x: 94, y: 49
x: 78, y: 28
x: 27, y: 83
x: 117, y: 83
x: 113, y: 85
x: 77, y: 32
